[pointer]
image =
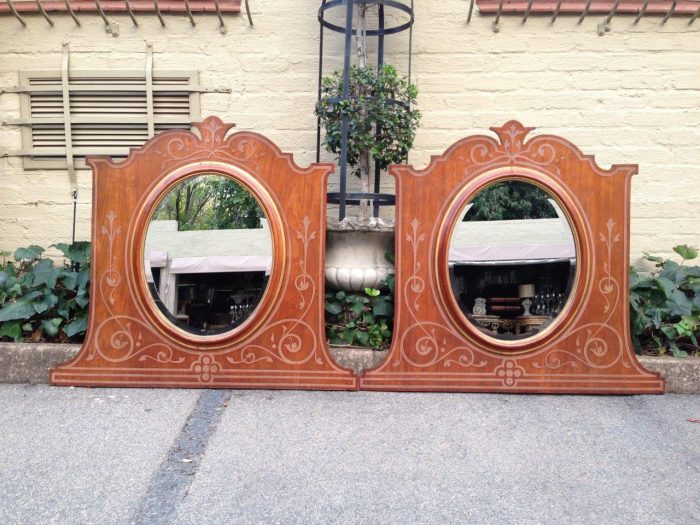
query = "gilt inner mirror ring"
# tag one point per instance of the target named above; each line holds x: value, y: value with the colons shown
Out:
x: 208, y: 254
x: 510, y: 262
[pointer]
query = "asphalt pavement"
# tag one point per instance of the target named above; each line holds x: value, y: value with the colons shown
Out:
x: 103, y: 456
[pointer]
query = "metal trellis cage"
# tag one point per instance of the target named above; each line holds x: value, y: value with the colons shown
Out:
x: 384, y: 8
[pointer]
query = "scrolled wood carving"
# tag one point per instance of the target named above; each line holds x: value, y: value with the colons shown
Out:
x: 586, y: 350
x: 282, y: 345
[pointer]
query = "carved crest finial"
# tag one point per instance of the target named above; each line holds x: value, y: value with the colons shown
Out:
x: 213, y: 130
x: 511, y: 134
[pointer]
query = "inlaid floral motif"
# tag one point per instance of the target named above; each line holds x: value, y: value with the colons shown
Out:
x: 206, y: 368
x: 283, y: 339
x: 432, y: 342
x: 123, y: 333
x: 213, y: 143
x: 512, y: 149
x: 592, y: 346
x: 510, y: 371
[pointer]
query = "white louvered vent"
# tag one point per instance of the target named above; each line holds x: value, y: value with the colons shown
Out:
x: 109, y: 114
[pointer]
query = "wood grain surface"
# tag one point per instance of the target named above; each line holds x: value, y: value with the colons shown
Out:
x: 130, y: 343
x: 586, y: 350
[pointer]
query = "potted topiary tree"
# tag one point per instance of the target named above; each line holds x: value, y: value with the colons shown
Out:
x: 381, y: 116
x: 382, y: 123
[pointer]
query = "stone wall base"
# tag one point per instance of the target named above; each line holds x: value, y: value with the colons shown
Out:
x: 30, y: 363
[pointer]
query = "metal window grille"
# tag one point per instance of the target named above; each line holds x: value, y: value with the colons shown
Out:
x: 107, y: 112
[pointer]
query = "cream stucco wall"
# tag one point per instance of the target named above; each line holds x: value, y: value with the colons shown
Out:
x: 631, y: 96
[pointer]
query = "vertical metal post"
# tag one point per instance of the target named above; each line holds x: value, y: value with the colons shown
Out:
x: 380, y: 38
x: 349, y: 4
x: 75, y: 213
x: 67, y: 131
x: 67, y: 127
x: 410, y: 41
x: 320, y: 76
x: 380, y: 64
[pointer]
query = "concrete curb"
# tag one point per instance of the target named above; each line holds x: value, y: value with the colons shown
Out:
x: 30, y: 363
x: 682, y: 375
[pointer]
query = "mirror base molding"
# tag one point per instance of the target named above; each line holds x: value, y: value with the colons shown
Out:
x: 282, y: 344
x: 587, y: 349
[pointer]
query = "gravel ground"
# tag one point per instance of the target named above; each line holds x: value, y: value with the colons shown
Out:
x: 177, y: 456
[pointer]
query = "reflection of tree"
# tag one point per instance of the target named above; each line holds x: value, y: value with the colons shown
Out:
x: 210, y: 202
x: 511, y: 200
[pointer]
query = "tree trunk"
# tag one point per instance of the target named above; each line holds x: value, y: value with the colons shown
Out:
x: 364, y: 160
x: 361, y: 36
x: 365, y: 206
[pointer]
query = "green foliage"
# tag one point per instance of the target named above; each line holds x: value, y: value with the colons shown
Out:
x: 381, y: 120
x: 360, y: 319
x: 666, y: 306
x: 41, y: 302
x: 210, y: 202
x: 511, y: 200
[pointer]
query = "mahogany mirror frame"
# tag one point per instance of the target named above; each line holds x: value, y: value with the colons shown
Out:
x: 130, y: 342
x: 136, y: 242
x: 586, y: 349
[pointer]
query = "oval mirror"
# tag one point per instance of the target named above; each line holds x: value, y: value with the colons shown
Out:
x: 512, y: 260
x: 208, y: 254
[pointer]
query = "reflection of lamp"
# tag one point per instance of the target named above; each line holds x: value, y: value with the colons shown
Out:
x: 525, y: 291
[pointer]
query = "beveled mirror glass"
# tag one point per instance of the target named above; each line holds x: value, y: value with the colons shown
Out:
x: 208, y: 254
x: 512, y: 260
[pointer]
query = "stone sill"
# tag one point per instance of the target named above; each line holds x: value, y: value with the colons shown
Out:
x: 30, y: 363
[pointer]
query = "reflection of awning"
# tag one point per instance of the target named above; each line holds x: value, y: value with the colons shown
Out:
x: 512, y: 253
x: 221, y: 264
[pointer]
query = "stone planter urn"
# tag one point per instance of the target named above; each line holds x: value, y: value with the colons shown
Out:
x: 355, y: 253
